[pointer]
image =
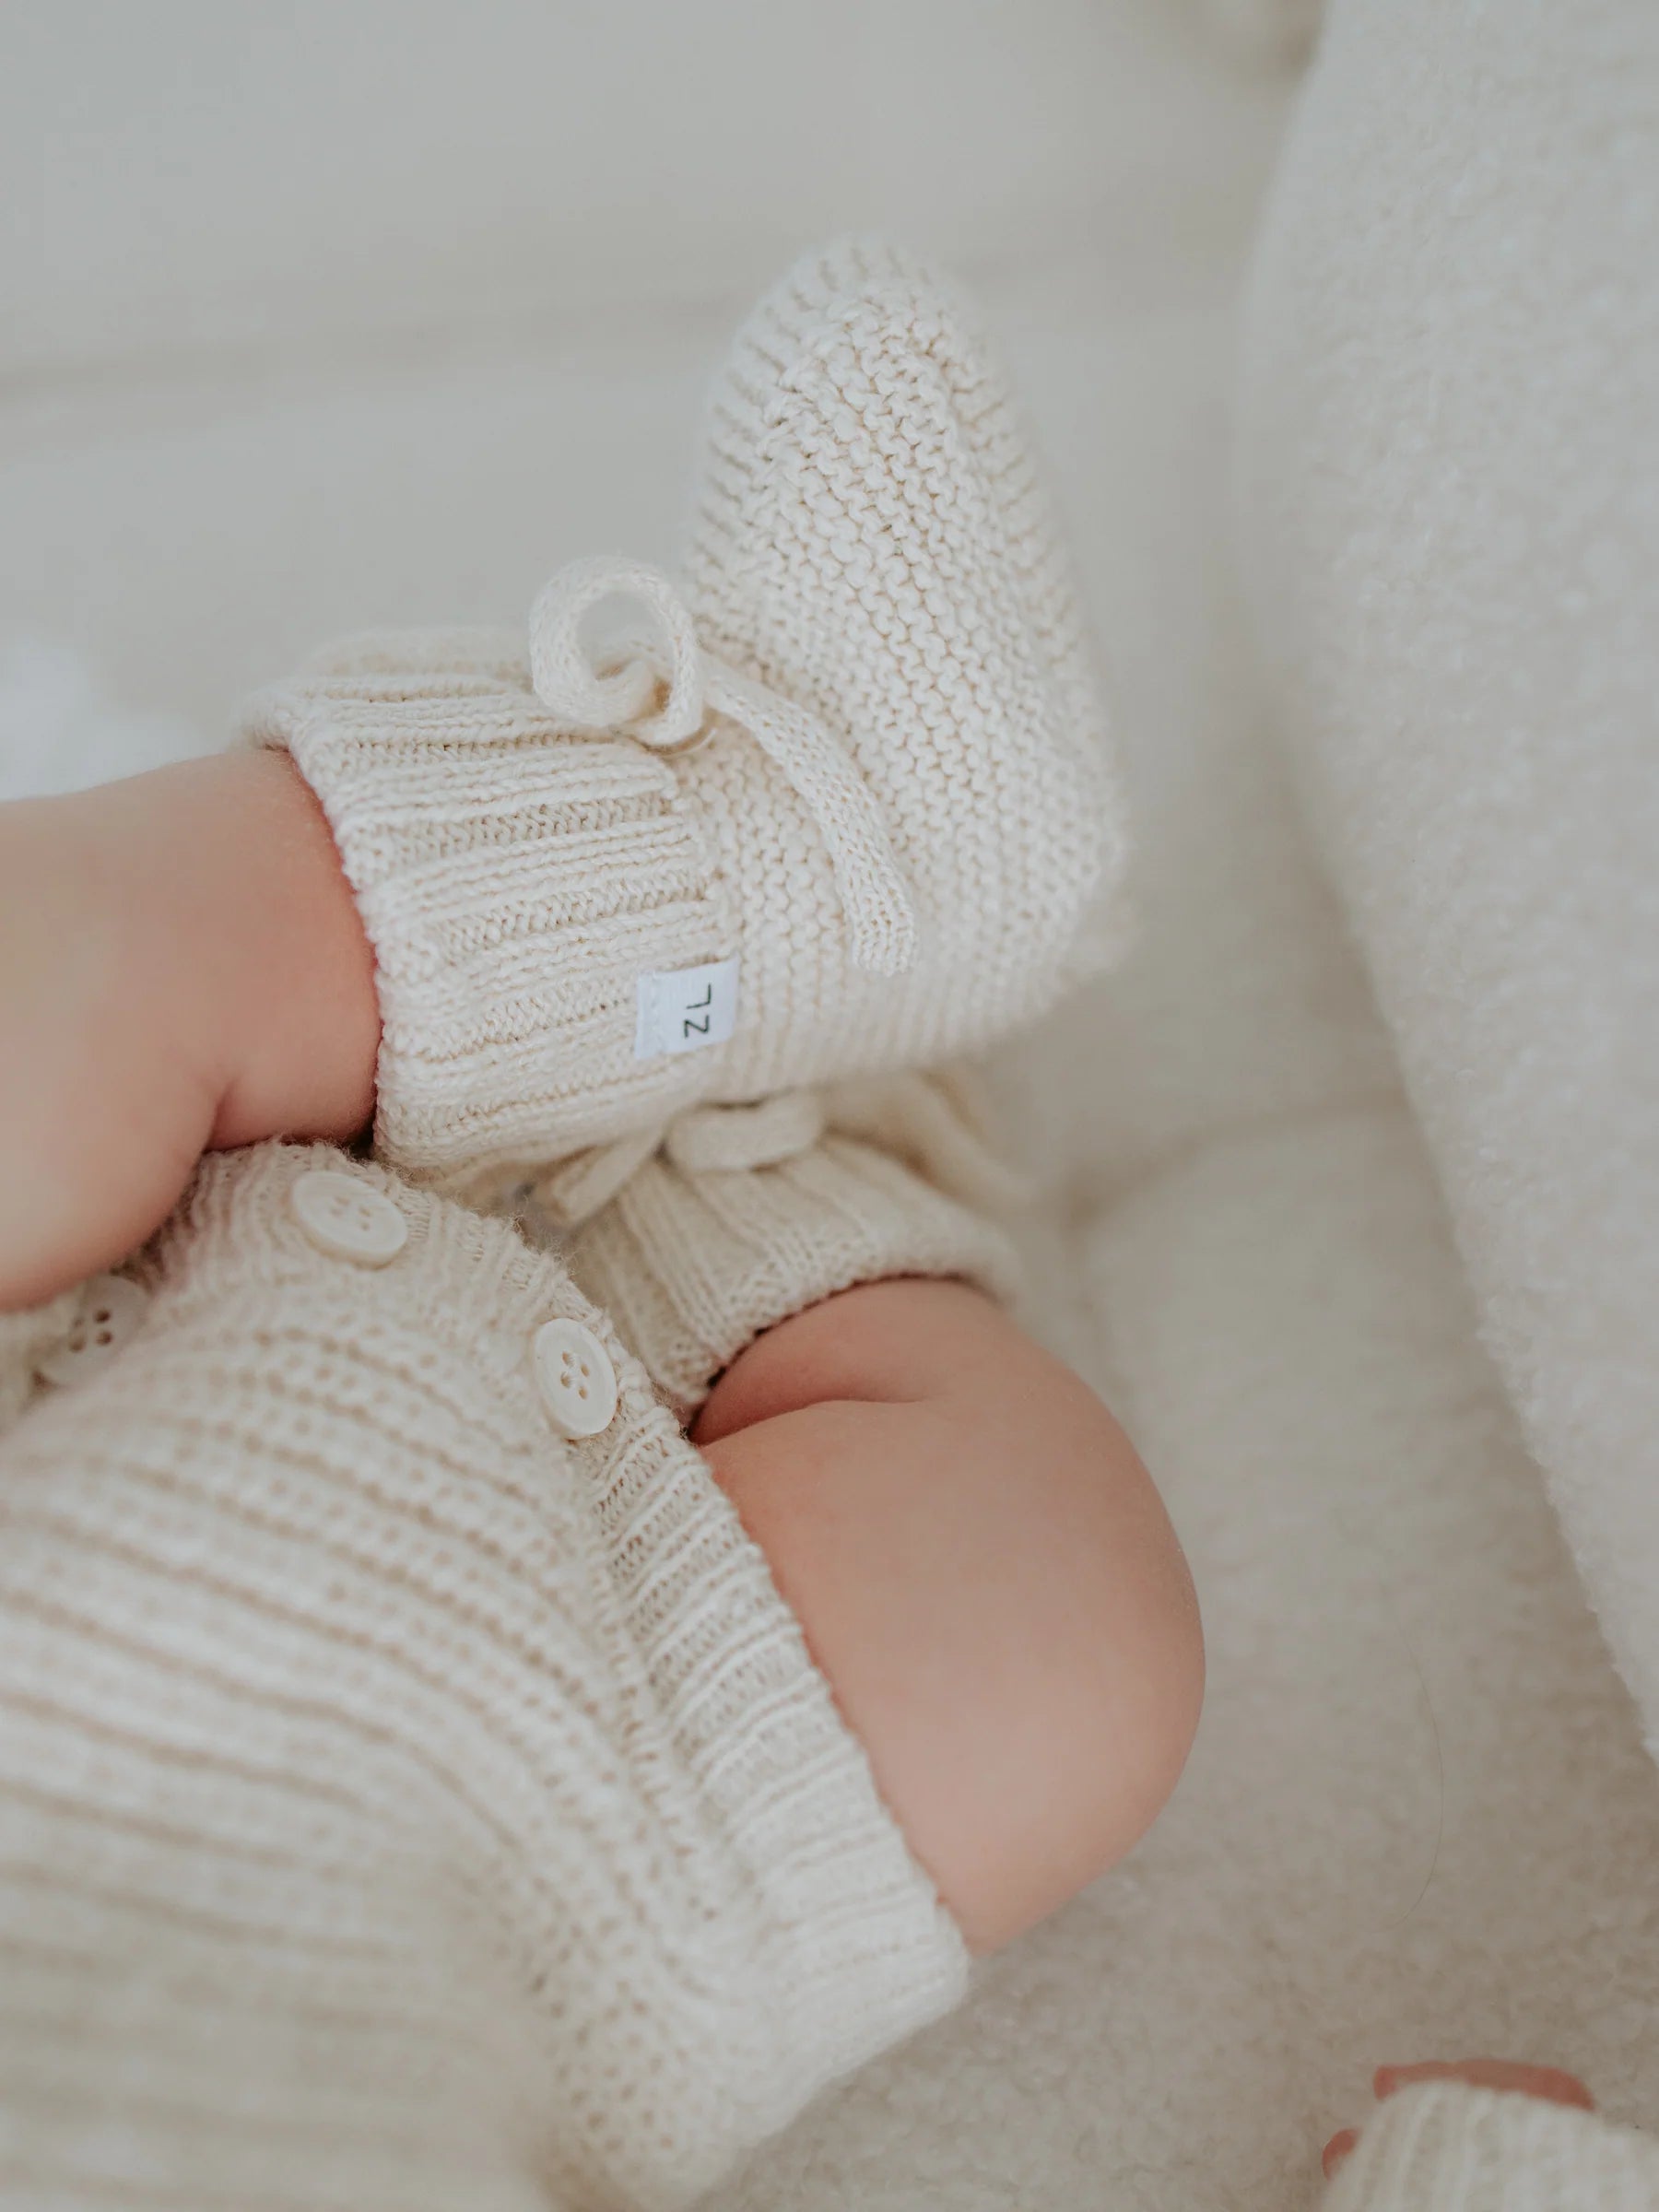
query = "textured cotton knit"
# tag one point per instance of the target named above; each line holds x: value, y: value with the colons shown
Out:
x: 748, y: 1215
x: 401, y: 1805
x: 859, y: 766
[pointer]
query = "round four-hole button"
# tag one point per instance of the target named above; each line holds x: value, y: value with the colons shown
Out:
x: 348, y: 1218
x: 574, y: 1375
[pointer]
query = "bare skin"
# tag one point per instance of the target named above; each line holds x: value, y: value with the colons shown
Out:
x: 181, y: 967
x: 985, y: 1573
x: 978, y: 1560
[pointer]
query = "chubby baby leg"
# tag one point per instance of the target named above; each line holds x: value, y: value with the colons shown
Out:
x: 984, y: 1573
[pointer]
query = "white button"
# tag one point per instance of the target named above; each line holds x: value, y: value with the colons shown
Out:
x: 576, y: 1378
x: 347, y: 1219
x: 111, y: 1308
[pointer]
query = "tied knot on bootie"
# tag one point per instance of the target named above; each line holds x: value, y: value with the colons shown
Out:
x: 736, y: 1139
x: 655, y: 683
x: 929, y: 1119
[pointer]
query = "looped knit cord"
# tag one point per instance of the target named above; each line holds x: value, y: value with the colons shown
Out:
x: 913, y: 1115
x: 742, y: 1137
x: 664, y: 691
x: 733, y: 1138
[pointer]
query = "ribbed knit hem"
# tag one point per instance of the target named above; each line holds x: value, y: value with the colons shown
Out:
x: 1443, y: 2147
x: 515, y: 884
x: 860, y: 1952
x: 694, y: 1266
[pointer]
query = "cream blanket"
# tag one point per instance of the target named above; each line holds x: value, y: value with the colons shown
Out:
x: 1451, y: 477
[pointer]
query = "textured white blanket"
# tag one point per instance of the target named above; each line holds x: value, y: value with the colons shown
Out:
x: 1452, y: 494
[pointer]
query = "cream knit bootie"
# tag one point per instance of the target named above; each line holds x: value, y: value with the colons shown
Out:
x: 748, y: 1215
x: 841, y: 808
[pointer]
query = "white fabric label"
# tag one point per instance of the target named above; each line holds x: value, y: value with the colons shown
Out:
x: 685, y: 1010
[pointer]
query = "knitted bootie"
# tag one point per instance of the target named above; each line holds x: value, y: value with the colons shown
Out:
x: 748, y: 1215
x: 843, y: 808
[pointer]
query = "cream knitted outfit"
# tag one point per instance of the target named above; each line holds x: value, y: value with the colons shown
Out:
x: 843, y: 809
x: 401, y: 1803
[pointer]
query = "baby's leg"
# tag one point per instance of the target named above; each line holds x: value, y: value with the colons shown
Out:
x: 985, y: 1574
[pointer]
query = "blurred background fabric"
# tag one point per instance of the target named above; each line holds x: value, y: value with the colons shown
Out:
x: 320, y: 316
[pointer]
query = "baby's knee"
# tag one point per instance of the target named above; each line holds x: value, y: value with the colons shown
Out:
x: 988, y: 1577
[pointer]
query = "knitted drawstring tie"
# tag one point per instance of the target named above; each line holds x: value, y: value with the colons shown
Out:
x: 918, y: 1116
x: 662, y: 690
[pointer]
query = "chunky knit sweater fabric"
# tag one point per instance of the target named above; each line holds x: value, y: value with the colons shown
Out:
x: 402, y: 1802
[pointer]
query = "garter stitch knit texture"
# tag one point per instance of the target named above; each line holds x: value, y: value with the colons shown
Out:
x: 401, y: 1806
x: 902, y: 759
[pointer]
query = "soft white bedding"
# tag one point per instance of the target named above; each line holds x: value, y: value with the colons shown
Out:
x: 1453, y: 500
x: 1419, y: 1816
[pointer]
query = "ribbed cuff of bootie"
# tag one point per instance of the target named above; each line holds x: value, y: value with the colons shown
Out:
x: 893, y: 835
x: 697, y: 1255
x: 516, y: 883
x: 1443, y: 2147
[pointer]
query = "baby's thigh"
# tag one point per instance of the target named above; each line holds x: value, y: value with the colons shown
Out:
x: 985, y: 1574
